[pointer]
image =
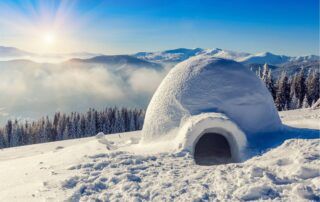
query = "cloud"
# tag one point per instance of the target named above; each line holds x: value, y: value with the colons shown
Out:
x: 146, y: 80
x: 3, y: 112
x: 33, y: 90
x: 95, y: 82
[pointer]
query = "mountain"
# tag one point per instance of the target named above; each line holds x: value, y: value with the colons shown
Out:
x: 175, y: 55
x: 178, y: 55
x: 265, y: 57
x: 308, y: 58
x: 295, y: 66
x: 119, y: 61
x: 289, y: 67
x: 154, y: 60
x: 225, y: 54
x: 11, y: 52
x: 281, y: 60
x: 277, y: 63
x: 67, y: 56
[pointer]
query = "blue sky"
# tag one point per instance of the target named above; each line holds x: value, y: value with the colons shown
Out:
x: 127, y: 26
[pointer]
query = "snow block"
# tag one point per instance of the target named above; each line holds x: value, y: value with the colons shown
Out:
x: 207, y: 94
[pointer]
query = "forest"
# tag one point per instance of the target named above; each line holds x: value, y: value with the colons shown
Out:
x: 69, y: 126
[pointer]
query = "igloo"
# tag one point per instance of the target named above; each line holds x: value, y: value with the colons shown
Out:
x: 210, y: 107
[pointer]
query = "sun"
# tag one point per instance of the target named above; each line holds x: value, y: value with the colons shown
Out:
x: 49, y: 38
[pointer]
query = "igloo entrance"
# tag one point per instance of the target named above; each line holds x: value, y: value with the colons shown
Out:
x: 212, y: 149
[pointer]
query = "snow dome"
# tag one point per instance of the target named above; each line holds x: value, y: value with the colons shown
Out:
x: 210, y: 106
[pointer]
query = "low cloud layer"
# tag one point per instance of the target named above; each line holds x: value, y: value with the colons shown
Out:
x: 146, y: 80
x: 31, y: 90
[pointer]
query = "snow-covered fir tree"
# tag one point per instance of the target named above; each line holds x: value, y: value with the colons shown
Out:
x: 305, y: 102
x: 313, y: 87
x: 282, y: 92
x: 289, y: 92
x: 265, y: 73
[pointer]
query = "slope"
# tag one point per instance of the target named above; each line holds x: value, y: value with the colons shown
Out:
x: 83, y: 169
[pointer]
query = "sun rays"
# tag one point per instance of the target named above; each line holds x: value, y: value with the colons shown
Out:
x: 38, y: 26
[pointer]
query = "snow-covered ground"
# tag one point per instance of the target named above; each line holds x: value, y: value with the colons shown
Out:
x: 84, y: 170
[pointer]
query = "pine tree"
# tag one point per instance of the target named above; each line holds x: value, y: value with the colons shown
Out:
x: 305, y: 103
x: 265, y: 73
x: 2, y: 140
x: 8, y: 131
x: 312, y: 87
x: 282, y: 92
x: 270, y: 85
x: 300, y: 87
x: 259, y: 72
x: 294, y: 103
x: 293, y: 97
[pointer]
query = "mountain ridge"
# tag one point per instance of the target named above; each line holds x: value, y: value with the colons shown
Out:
x: 178, y: 55
x: 166, y: 56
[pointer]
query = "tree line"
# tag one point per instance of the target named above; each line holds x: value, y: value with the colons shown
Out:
x: 300, y: 90
x: 69, y: 126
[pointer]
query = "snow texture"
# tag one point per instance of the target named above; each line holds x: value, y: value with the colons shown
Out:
x: 215, y: 89
x: 287, y: 173
x: 84, y: 170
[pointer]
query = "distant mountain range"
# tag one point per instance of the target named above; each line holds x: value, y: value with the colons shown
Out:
x: 158, y: 60
x: 118, y: 61
x: 277, y: 63
x: 181, y: 54
x: 11, y: 53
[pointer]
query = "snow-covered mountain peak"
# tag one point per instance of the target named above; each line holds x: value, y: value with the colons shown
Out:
x: 180, y: 54
x: 265, y: 57
x: 174, y: 55
x: 212, y: 51
x: 306, y: 58
x: 183, y: 50
x: 228, y: 54
x: 264, y: 54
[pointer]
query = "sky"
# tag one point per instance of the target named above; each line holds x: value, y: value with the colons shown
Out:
x: 289, y: 27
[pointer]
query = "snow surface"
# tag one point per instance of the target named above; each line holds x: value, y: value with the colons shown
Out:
x: 205, y: 84
x: 85, y: 170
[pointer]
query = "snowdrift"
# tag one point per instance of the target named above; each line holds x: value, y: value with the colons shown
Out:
x: 214, y: 102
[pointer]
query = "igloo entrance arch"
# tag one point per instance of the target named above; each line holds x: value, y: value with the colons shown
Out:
x: 212, y: 138
x: 212, y: 148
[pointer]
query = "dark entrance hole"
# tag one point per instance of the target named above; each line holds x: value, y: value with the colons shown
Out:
x: 212, y: 149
